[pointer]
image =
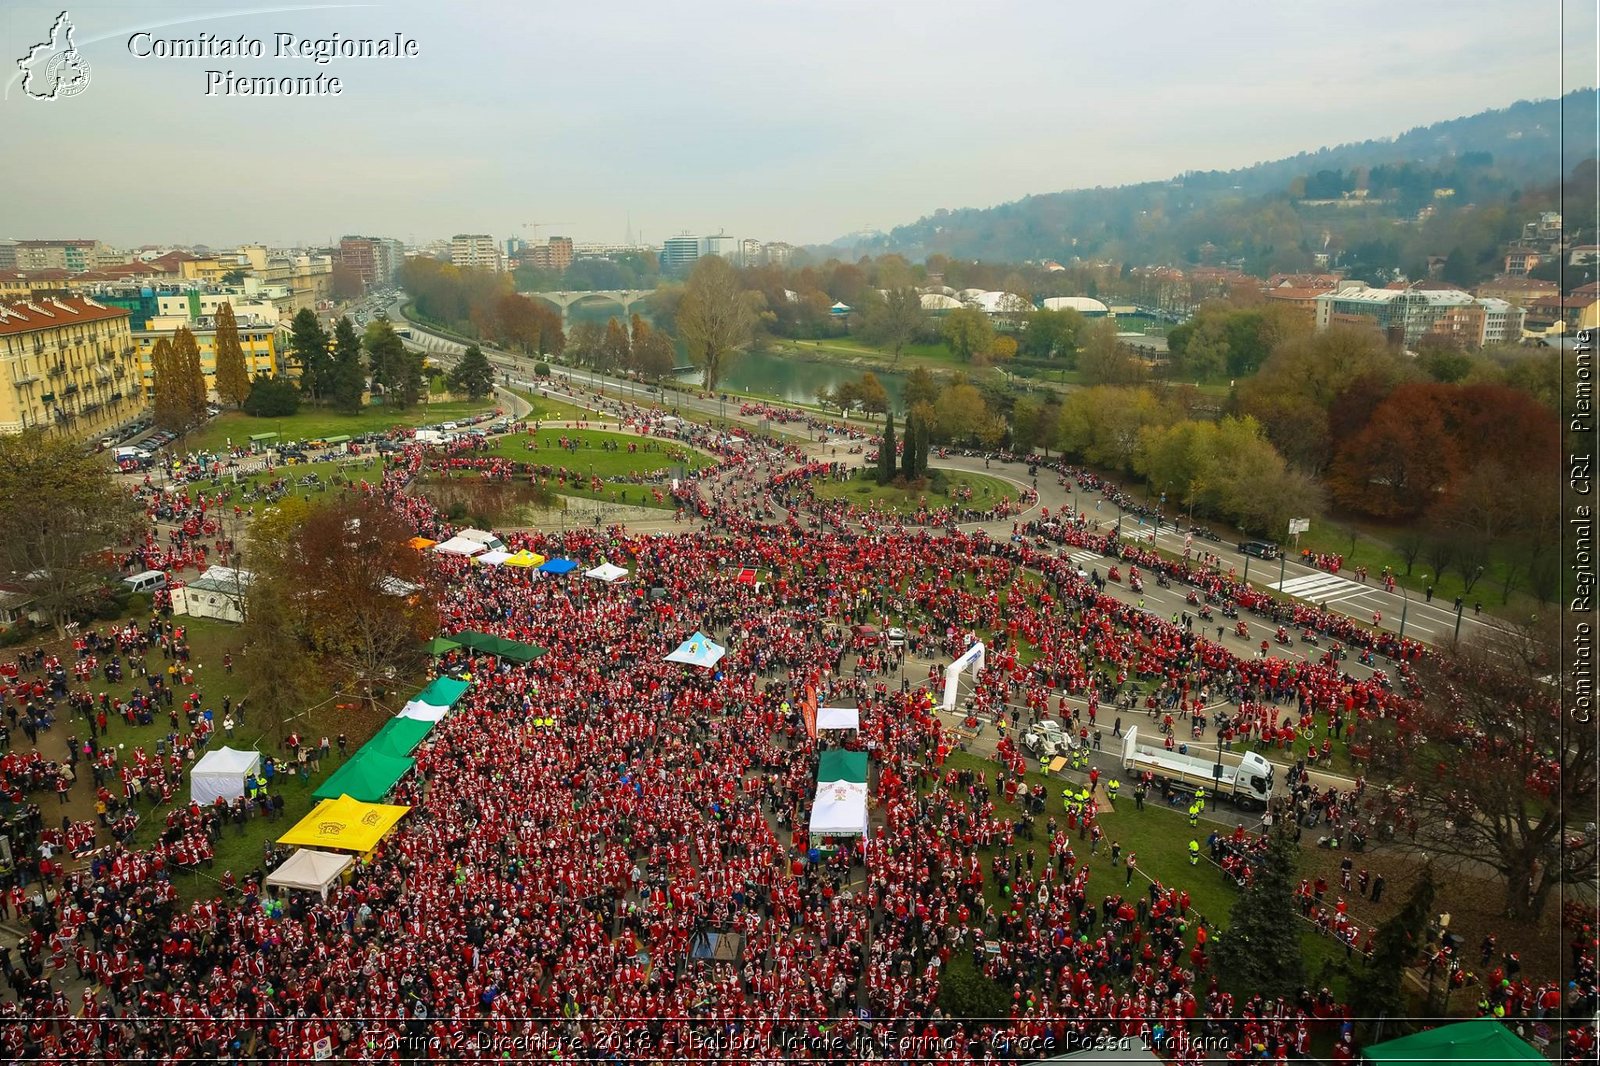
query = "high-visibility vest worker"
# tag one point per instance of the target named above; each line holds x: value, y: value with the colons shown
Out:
x: 1194, y: 814
x: 1112, y: 786
x: 1194, y: 853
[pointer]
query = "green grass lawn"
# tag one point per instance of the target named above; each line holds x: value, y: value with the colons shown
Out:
x: 1160, y: 838
x: 591, y: 455
x: 864, y: 491
x: 314, y: 423
x: 209, y: 640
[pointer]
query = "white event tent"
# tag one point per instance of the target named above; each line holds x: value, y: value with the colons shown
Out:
x: 311, y: 870
x: 221, y: 772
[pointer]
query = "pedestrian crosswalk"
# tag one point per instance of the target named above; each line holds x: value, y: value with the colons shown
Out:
x: 1085, y: 558
x: 1320, y: 587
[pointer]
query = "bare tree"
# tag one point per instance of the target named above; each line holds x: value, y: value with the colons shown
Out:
x: 1495, y: 764
x: 716, y: 317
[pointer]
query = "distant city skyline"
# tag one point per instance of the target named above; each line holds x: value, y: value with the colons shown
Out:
x: 777, y: 121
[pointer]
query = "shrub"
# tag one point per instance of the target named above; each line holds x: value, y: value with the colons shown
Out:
x: 272, y: 398
x: 541, y: 370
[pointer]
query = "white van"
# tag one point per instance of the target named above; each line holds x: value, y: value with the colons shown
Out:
x: 149, y: 581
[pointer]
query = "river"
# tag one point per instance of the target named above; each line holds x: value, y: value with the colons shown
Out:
x: 794, y: 380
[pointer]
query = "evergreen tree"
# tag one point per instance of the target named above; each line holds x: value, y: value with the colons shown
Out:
x: 1260, y: 950
x: 188, y: 377
x: 908, y: 461
x: 1377, y: 990
x: 886, y: 457
x: 348, y: 380
x: 472, y: 374
x: 271, y: 397
x: 308, y: 348
x: 233, y: 377
x: 387, y: 354
x: 412, y: 385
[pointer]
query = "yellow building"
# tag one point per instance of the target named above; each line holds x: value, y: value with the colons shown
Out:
x: 205, y: 271
x: 259, y: 341
x: 69, y: 365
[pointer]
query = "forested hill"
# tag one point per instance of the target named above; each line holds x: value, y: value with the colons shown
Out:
x: 1268, y: 215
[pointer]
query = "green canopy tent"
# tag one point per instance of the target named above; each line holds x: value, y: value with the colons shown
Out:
x: 441, y: 646
x: 398, y: 737
x: 490, y: 644
x: 441, y: 692
x: 368, y: 776
x: 841, y: 765
x: 1482, y: 1040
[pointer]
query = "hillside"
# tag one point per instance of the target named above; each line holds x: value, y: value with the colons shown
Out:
x: 1267, y: 217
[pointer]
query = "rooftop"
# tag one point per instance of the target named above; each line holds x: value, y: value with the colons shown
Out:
x: 30, y: 316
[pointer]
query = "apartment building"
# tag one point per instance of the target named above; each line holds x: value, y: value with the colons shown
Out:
x: 70, y: 366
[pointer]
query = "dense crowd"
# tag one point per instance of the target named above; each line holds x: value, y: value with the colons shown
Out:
x: 607, y: 856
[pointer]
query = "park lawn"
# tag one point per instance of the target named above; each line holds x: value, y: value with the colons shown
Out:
x: 910, y: 355
x: 591, y: 455
x: 316, y: 423
x: 367, y: 467
x: 864, y: 491
x: 1160, y: 838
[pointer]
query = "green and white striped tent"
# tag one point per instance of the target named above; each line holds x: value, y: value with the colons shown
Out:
x: 840, y: 805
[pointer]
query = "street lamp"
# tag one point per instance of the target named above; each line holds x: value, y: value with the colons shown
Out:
x: 1461, y: 606
x: 1406, y: 605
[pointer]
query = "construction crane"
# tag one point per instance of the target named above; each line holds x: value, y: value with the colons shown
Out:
x: 537, y: 226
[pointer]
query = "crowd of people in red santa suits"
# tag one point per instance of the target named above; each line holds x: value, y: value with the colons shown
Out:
x: 583, y: 823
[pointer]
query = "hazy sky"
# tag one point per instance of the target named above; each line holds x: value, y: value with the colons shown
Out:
x: 775, y: 119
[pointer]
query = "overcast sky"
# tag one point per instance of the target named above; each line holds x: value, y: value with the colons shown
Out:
x: 774, y: 119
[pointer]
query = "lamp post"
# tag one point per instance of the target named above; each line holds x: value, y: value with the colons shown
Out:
x: 1282, y: 562
x: 1405, y: 605
x: 1461, y: 606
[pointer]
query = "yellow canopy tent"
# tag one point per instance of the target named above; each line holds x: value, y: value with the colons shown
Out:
x: 420, y: 543
x: 345, y: 824
x: 526, y: 558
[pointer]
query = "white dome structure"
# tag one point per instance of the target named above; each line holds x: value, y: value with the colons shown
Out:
x: 1084, y: 305
x: 937, y: 301
x: 999, y: 303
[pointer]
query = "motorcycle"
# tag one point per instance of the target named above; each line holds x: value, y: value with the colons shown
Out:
x: 1242, y: 629
x: 1230, y: 611
x: 1205, y: 613
x: 1193, y: 599
x: 1311, y: 638
x: 1114, y: 575
x: 1136, y: 585
x: 1283, y: 636
x: 1163, y: 582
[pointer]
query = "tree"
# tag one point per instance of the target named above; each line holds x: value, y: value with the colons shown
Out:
x: 886, y: 451
x: 386, y: 353
x: 345, y: 283
x: 347, y: 380
x: 271, y: 397
x: 914, y: 457
x: 1260, y: 949
x: 472, y: 374
x: 920, y: 387
x: 895, y: 320
x: 715, y: 318
x: 1050, y: 334
x: 168, y: 408
x: 968, y: 333
x: 962, y: 414
x: 412, y: 386
x: 61, y: 513
x: 1104, y: 360
x: 615, y: 352
x: 1495, y: 769
x: 345, y: 585
x: 189, y: 379
x: 1003, y: 349
x: 585, y: 343
x: 651, y: 351
x: 1377, y: 990
x: 233, y: 377
x: 308, y: 349
x: 871, y: 394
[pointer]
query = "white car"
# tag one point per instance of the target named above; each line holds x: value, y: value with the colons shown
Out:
x: 895, y: 636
